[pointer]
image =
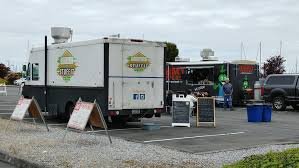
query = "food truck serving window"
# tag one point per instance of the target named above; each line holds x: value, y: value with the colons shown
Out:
x: 202, y: 75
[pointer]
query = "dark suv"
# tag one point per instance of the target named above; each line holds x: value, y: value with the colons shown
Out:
x: 282, y: 90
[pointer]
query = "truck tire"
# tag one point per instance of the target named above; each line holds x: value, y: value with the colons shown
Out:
x: 148, y: 113
x: 279, y: 103
x: 295, y: 107
x: 118, y: 122
x: 158, y: 115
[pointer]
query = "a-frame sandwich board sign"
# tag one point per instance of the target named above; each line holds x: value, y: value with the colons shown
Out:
x: 86, y: 112
x: 206, y: 111
x: 27, y: 105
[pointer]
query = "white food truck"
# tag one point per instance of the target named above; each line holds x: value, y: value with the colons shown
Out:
x: 125, y: 76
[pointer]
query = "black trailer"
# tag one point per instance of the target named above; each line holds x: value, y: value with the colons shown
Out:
x: 205, y: 78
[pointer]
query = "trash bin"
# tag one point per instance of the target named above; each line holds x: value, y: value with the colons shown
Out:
x: 254, y: 112
x: 267, y: 113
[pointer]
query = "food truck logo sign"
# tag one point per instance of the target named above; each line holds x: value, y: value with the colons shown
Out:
x: 66, y: 66
x: 138, y: 62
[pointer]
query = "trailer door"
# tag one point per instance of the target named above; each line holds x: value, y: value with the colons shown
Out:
x: 137, y: 93
x: 142, y: 76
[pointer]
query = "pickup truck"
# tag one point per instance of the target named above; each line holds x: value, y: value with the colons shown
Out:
x: 282, y: 90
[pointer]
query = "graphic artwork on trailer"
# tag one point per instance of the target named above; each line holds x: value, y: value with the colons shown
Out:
x: 66, y: 66
x: 138, y: 62
x: 221, y: 78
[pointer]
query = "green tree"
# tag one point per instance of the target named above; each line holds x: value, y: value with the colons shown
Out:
x: 4, y: 70
x: 171, y: 51
x: 274, y: 65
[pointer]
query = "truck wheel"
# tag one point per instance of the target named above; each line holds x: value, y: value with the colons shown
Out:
x: 118, y: 122
x: 148, y: 115
x: 69, y: 108
x: 279, y: 103
x: 295, y: 107
x: 158, y: 115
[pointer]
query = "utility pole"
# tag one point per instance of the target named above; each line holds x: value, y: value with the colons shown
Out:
x: 280, y: 47
x: 241, y: 49
x: 296, y: 64
x: 260, y: 56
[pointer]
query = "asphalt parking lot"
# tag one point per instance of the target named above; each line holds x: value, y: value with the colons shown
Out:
x: 232, y: 130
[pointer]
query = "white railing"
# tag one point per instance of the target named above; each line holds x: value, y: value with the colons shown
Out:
x: 3, y: 89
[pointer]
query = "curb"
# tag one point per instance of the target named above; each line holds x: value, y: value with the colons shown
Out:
x: 14, y: 161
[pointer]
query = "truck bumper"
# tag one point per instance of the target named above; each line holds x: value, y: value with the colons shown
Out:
x: 138, y: 113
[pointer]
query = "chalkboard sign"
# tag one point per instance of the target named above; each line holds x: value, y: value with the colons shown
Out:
x: 205, y: 110
x: 181, y: 113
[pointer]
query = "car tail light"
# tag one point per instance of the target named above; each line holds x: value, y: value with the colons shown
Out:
x: 262, y: 91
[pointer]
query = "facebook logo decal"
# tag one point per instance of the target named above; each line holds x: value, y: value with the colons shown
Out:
x: 135, y: 96
x: 138, y: 96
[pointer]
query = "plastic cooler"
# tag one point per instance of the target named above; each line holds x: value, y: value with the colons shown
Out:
x: 267, y: 113
x: 255, y: 112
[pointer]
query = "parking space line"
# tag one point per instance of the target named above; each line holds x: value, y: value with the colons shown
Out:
x: 166, y: 126
x: 124, y: 129
x: 193, y: 137
x: 118, y: 129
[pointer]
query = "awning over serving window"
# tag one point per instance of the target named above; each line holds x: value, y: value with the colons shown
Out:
x: 200, y: 67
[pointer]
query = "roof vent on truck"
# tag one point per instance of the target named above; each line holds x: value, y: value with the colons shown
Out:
x: 61, y: 34
x: 207, y: 54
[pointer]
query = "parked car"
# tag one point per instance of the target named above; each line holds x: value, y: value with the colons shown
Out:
x: 19, y: 81
x: 282, y: 90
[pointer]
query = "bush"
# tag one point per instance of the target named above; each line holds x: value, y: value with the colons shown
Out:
x: 288, y: 158
x: 12, y: 77
x: 3, y: 81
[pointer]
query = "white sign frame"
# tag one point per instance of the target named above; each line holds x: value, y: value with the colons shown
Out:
x: 22, y: 107
x: 173, y: 124
x: 82, y: 114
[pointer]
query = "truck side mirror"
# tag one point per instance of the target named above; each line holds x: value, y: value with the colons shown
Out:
x: 24, y: 68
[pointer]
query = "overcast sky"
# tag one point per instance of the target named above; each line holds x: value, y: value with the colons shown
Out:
x: 192, y: 24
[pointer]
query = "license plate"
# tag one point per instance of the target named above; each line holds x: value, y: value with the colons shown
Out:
x: 135, y: 111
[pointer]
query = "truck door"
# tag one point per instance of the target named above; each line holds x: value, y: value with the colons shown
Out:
x: 137, y: 93
x: 138, y: 84
x: 288, y: 83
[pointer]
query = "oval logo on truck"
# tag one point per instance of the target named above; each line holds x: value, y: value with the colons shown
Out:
x: 138, y: 62
x: 66, y: 66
